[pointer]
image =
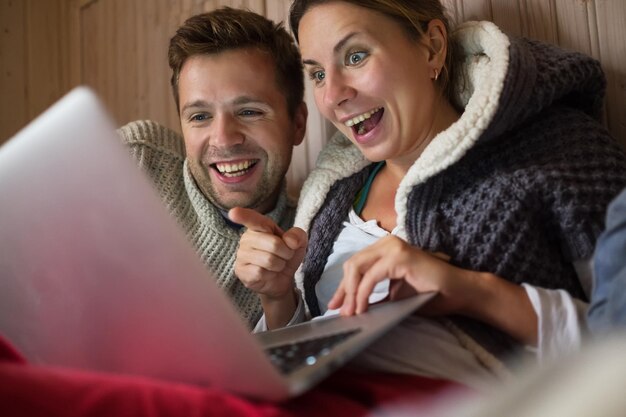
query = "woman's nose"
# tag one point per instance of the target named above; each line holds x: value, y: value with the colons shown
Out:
x: 337, y: 90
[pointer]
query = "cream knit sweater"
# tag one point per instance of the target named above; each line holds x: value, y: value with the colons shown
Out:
x: 161, y: 153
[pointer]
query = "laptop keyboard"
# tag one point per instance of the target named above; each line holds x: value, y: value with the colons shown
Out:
x: 291, y: 356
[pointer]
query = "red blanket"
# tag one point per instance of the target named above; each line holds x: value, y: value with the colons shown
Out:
x: 28, y: 390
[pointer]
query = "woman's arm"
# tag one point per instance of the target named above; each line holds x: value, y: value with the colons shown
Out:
x: 479, y: 295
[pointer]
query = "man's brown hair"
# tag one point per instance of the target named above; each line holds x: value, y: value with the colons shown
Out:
x: 227, y: 29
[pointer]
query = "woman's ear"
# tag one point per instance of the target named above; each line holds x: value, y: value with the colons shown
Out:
x: 436, y: 39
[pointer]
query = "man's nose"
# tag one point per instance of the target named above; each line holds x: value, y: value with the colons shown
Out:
x: 226, y: 131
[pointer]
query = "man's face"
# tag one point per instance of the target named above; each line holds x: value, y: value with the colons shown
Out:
x: 237, y: 131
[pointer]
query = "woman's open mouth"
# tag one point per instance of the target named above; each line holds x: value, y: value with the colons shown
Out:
x: 365, y: 122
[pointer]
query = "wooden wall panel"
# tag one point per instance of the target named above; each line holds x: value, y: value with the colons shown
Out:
x: 35, y: 59
x: 45, y: 71
x: 573, y: 26
x: 120, y: 48
x: 473, y: 10
x: 507, y: 14
x: 13, y: 97
x: 611, y: 29
x: 110, y: 56
x: 538, y: 20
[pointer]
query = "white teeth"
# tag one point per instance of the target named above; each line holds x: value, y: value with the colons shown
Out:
x: 234, y: 169
x: 361, y: 117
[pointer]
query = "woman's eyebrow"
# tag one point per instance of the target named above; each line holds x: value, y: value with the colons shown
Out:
x: 336, y: 48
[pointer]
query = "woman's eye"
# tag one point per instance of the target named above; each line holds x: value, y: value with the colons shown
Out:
x: 355, y: 58
x: 318, y: 76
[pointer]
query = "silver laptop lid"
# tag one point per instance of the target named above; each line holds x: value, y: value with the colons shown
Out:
x: 96, y: 274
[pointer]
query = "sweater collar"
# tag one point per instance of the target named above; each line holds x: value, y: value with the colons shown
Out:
x: 209, y: 215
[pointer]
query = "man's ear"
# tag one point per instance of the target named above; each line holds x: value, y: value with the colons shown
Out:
x: 436, y: 38
x: 299, y: 120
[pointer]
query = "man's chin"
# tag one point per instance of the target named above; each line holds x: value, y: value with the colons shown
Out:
x: 226, y: 204
x: 253, y: 197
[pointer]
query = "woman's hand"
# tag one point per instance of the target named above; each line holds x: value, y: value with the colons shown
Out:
x: 266, y: 262
x: 482, y: 296
x: 392, y: 257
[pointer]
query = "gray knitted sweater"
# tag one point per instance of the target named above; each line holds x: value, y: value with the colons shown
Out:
x: 518, y: 186
x: 161, y: 153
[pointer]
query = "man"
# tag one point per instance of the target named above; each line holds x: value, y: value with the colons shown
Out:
x: 238, y: 84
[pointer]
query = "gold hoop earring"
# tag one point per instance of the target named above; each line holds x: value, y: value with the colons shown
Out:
x: 436, y: 74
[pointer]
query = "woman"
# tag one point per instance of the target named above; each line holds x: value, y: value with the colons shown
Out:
x: 483, y: 177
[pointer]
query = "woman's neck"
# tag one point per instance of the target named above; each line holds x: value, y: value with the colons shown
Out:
x: 444, y: 116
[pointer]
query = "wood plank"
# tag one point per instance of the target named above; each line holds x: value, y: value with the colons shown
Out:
x: 507, y: 15
x: 539, y: 20
x: 72, y: 41
x: 208, y: 5
x: 573, y: 26
x: 611, y: 15
x: 476, y: 10
x: 13, y: 36
x: 123, y: 58
x: 110, y: 55
x: 45, y: 51
x: 154, y: 28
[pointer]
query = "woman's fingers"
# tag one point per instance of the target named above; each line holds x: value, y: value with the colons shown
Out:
x: 377, y: 272
x: 389, y: 258
x: 337, y: 299
x: 353, y: 271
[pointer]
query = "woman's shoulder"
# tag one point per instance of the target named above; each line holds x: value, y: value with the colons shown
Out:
x: 338, y: 160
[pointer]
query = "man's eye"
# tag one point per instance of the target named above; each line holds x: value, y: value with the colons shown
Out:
x: 249, y: 112
x: 356, y: 58
x: 199, y: 117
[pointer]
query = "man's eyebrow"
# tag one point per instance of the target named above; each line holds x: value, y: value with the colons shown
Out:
x: 336, y: 49
x: 197, y: 103
x: 241, y: 100
x: 248, y: 100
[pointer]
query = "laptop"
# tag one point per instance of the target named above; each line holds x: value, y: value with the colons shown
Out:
x: 95, y: 274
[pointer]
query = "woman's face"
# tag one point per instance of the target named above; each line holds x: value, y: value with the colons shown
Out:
x: 370, y: 80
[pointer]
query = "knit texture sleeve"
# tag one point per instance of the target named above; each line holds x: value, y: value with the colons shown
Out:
x: 159, y: 151
x: 586, y: 172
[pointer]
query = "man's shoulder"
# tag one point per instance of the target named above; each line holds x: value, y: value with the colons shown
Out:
x: 148, y: 134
